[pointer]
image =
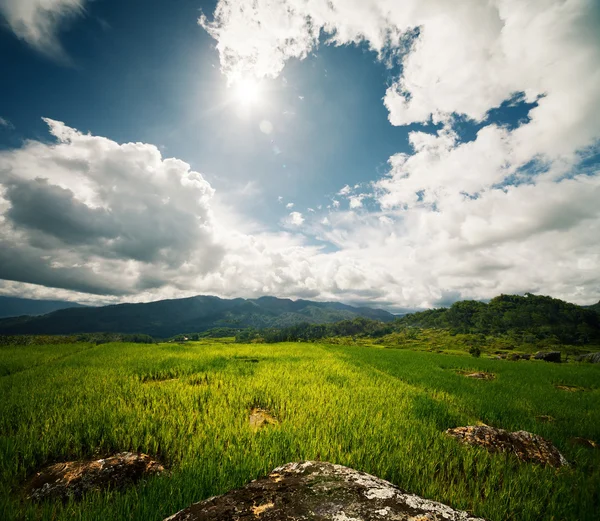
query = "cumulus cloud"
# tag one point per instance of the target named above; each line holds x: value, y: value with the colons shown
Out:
x: 295, y: 219
x: 512, y: 210
x: 38, y: 21
x: 88, y: 214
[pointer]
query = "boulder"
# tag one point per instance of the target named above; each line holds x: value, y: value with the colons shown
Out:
x: 548, y: 356
x: 524, y: 445
x: 74, y: 478
x: 317, y: 491
x: 593, y: 358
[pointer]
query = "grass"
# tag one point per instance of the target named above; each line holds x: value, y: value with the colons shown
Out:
x: 379, y: 410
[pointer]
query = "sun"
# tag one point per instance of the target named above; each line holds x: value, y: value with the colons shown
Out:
x: 247, y: 92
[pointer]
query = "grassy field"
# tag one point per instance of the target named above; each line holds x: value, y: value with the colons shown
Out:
x: 374, y: 409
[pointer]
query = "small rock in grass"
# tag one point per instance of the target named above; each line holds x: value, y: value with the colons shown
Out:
x: 584, y: 442
x: 72, y: 479
x: 481, y: 376
x: 593, y: 358
x: 319, y: 491
x: 261, y: 417
x: 524, y: 445
x: 548, y: 356
x: 569, y: 388
x: 544, y: 418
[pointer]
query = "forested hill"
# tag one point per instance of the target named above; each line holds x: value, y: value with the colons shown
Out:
x: 510, y: 314
x: 166, y: 318
x: 595, y: 307
x: 518, y: 319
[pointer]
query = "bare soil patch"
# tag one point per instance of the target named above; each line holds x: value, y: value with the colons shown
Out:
x: 261, y: 418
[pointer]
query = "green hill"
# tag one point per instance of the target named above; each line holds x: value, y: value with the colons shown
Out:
x: 539, y: 316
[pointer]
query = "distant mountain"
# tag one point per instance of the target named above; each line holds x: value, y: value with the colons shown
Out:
x: 595, y: 307
x: 166, y: 318
x: 15, y: 307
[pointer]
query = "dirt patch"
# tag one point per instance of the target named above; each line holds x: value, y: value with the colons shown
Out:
x: 319, y: 491
x: 72, y: 479
x: 584, y: 442
x: 261, y: 418
x: 544, y: 418
x: 524, y: 445
x: 570, y: 388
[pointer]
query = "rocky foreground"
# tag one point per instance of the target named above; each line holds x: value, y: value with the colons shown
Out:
x: 319, y: 491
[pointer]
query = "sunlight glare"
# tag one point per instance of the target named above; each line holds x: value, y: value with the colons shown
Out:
x: 247, y: 91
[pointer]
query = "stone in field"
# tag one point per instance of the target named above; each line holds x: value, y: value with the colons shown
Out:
x: 548, y: 356
x: 584, y: 442
x: 481, y: 376
x: 74, y: 478
x: 319, y: 491
x: 593, y: 358
x: 524, y: 445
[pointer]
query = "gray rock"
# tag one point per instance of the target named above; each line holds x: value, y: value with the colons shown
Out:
x: 593, y: 358
x: 72, y: 479
x: 319, y: 491
x: 548, y: 356
x: 524, y: 445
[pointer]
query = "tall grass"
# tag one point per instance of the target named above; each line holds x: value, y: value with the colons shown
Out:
x: 378, y: 410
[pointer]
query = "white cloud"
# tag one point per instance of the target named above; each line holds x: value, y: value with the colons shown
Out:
x: 464, y: 218
x: 295, y: 219
x: 88, y: 214
x: 5, y: 123
x: 289, y: 206
x: 38, y: 21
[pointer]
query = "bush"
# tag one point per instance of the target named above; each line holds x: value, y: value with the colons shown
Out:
x: 475, y: 351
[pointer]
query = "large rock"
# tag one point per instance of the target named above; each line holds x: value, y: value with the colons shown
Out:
x: 548, y: 356
x: 319, y: 491
x: 593, y: 358
x: 524, y: 445
x: 74, y: 478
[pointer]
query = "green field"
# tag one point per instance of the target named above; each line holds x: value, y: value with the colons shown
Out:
x: 383, y: 411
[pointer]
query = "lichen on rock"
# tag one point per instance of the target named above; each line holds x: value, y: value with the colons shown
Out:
x: 319, y: 491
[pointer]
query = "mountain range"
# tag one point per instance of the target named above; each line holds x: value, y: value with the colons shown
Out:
x: 166, y: 318
x: 15, y: 307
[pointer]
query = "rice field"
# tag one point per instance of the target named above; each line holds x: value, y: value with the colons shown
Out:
x: 383, y: 411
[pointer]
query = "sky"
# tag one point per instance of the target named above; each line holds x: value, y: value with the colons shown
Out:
x: 395, y: 154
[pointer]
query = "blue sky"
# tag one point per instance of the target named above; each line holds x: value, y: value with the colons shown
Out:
x: 395, y: 155
x: 152, y: 75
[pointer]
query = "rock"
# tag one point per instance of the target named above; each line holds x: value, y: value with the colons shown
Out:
x: 524, y: 445
x: 593, y: 358
x: 584, y: 442
x: 74, y: 478
x: 569, y: 388
x: 481, y: 376
x: 548, y: 356
x: 544, y: 418
x: 316, y: 491
x: 260, y: 417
